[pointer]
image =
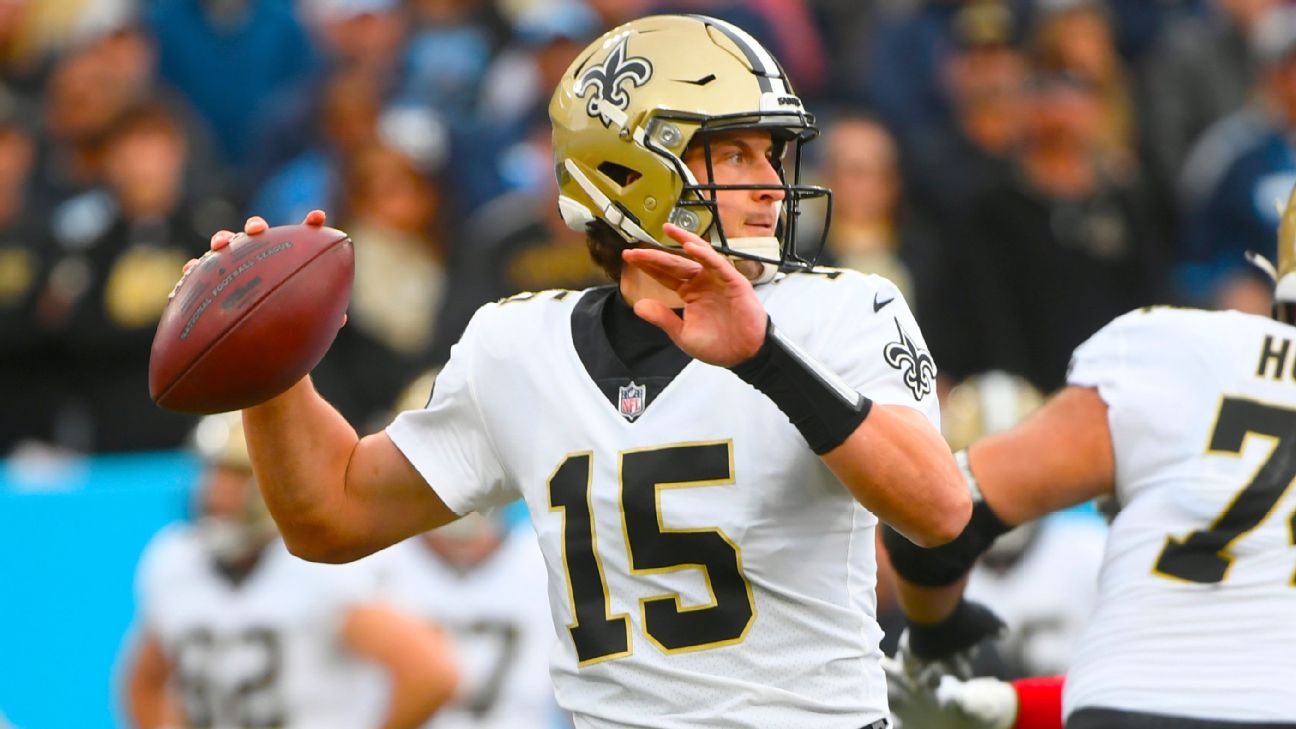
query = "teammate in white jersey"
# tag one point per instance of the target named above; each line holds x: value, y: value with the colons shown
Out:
x: 705, y: 448
x: 484, y: 584
x: 1187, y: 419
x: 235, y: 633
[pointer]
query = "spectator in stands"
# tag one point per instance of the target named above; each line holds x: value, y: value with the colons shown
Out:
x: 364, y: 38
x: 1203, y: 69
x: 903, y: 78
x: 514, y: 96
x: 1056, y: 249
x: 394, y: 213
x: 107, y: 289
x: 848, y: 31
x: 28, y: 384
x: 204, y: 45
x: 1075, y: 36
x: 873, y: 231
x: 544, y: 44
x: 450, y: 48
x: 953, y: 159
x: 1138, y: 27
x: 21, y: 56
x: 953, y: 163
x: 347, y: 122
x: 1234, y: 180
x: 96, y: 78
x: 104, y: 68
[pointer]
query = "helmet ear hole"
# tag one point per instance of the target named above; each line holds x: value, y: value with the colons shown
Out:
x: 620, y: 174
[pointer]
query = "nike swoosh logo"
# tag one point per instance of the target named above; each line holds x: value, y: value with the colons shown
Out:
x: 877, y: 305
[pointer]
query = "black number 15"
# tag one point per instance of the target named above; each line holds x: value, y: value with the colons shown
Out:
x: 1203, y: 555
x: 652, y: 547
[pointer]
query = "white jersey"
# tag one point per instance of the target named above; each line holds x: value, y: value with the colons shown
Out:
x: 265, y: 652
x: 1196, y: 594
x: 705, y: 567
x: 1047, y: 595
x: 497, y: 614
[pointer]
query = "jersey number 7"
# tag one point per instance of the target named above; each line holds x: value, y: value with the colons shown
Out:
x: 1203, y: 555
x: 652, y: 548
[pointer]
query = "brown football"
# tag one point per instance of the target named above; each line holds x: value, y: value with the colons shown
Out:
x: 250, y: 320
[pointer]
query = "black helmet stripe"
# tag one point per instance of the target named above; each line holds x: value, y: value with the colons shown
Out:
x: 768, y: 71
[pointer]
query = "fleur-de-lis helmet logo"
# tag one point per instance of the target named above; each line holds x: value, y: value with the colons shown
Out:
x: 608, y: 79
x: 917, y: 366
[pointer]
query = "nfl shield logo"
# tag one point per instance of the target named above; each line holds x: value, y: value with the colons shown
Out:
x: 630, y: 400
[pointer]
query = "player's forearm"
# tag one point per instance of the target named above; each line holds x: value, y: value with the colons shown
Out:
x: 149, y: 707
x: 147, y: 699
x: 890, y: 457
x: 300, y: 447
x: 1058, y: 457
x: 898, y: 467
x: 928, y: 604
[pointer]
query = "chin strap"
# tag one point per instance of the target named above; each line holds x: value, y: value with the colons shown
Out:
x: 763, y: 246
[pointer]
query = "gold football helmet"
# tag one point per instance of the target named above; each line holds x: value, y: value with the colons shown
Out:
x: 1284, y: 273
x: 218, y: 441
x: 232, y: 521
x: 986, y: 403
x: 633, y: 102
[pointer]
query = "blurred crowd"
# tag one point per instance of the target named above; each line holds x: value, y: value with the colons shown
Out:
x: 1024, y: 170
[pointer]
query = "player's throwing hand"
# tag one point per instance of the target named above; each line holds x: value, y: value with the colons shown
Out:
x: 254, y: 225
x: 723, y: 322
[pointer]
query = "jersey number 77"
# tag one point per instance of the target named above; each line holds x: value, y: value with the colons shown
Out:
x: 1203, y: 555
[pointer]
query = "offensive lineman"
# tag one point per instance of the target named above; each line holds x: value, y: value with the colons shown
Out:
x: 704, y: 486
x: 235, y: 633
x: 1187, y: 419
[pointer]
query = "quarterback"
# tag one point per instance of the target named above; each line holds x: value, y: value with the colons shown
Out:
x: 1186, y: 421
x: 705, y: 447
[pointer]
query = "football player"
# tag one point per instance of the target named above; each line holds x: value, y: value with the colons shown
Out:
x: 235, y: 633
x: 481, y: 578
x: 484, y: 584
x: 1186, y: 420
x: 705, y: 447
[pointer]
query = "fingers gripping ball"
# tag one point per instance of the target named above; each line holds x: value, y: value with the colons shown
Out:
x: 250, y: 320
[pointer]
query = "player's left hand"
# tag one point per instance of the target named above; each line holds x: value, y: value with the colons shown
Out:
x: 978, y: 703
x: 724, y: 322
x: 913, y: 702
x: 929, y: 700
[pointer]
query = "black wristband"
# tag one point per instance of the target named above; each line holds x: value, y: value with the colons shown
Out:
x: 946, y: 564
x: 824, y: 408
x: 969, y: 624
